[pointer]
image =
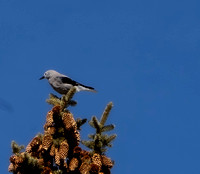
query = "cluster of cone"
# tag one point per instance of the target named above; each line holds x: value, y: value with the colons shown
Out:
x: 57, y: 151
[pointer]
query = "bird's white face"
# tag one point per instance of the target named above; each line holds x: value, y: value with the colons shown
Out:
x: 47, y: 74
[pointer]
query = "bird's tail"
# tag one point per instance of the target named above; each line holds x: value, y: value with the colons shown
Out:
x: 85, y: 88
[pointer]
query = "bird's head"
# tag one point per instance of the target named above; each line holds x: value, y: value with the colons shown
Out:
x: 48, y: 74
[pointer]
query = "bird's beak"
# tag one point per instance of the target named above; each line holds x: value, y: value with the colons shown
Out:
x: 41, y: 78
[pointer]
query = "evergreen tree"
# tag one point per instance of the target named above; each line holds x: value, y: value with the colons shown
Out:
x: 57, y: 150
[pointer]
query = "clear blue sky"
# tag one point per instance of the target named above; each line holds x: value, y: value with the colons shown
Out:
x: 142, y: 55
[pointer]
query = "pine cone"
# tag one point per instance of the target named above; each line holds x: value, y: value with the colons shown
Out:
x: 85, y: 168
x: 73, y: 164
x: 41, y: 162
x: 19, y: 160
x: 47, y: 141
x: 50, y: 130
x: 40, y: 149
x: 94, y: 169
x: 12, y: 158
x: 84, y: 153
x: 77, y: 150
x: 68, y: 121
x: 33, y: 145
x: 63, y: 150
x: 96, y: 159
x: 56, y: 109
x: 16, y: 162
x: 86, y: 158
x: 49, y: 120
x: 16, y: 159
x: 57, y: 156
x: 52, y: 150
x: 11, y: 167
x: 77, y: 137
x: 106, y: 161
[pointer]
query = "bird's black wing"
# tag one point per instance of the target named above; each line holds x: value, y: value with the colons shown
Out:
x: 68, y: 81
x: 74, y: 83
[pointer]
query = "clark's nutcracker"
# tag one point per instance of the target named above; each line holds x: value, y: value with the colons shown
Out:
x: 62, y: 84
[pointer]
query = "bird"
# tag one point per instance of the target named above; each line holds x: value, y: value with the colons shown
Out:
x: 62, y: 83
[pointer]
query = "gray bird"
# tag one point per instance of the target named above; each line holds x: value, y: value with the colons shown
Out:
x: 62, y: 84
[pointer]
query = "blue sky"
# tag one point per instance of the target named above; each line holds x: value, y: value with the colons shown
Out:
x: 142, y: 55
